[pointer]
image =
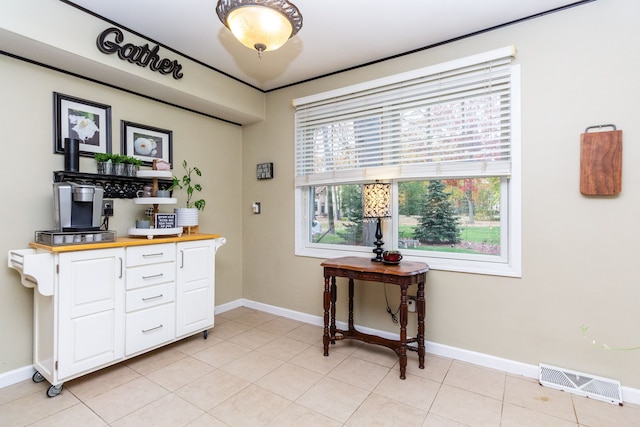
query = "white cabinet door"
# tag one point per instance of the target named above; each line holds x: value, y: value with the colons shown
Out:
x: 195, y: 286
x: 91, y: 310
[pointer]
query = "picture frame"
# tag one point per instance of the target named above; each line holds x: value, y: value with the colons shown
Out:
x: 264, y: 171
x: 146, y: 143
x: 77, y: 118
x: 164, y: 220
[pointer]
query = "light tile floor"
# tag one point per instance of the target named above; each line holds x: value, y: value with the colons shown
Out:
x: 258, y: 369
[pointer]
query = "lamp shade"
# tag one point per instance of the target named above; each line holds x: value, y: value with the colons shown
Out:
x: 260, y: 24
x: 377, y: 200
x: 257, y: 26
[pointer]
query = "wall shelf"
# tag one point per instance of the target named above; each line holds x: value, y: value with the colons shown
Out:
x: 115, y: 186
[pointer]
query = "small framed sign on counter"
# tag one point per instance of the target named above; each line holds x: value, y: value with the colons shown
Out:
x: 165, y: 220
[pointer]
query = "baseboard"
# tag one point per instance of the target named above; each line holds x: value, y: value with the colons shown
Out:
x: 228, y: 306
x: 481, y: 359
x: 285, y: 312
x: 15, y: 376
x: 629, y: 395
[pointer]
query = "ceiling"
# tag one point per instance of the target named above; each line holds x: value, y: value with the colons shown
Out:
x: 336, y: 34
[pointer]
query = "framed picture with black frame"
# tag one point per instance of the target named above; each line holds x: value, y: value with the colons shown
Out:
x: 146, y: 143
x: 77, y: 118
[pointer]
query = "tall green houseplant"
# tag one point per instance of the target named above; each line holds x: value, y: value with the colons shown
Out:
x: 191, y: 187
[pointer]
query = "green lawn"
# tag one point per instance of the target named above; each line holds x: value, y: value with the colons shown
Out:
x: 489, y: 235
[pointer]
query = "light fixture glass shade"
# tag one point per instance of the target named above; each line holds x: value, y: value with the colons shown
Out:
x: 377, y: 200
x: 258, y: 27
x: 260, y: 24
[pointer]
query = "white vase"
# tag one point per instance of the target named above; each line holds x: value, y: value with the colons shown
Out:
x: 186, y: 217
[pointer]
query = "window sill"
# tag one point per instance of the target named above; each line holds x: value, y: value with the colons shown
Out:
x: 434, y: 263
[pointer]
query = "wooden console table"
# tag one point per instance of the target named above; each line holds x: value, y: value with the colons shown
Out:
x: 404, y: 275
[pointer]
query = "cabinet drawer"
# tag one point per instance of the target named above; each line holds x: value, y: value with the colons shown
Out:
x: 148, y: 275
x: 149, y: 328
x: 150, y: 254
x: 150, y: 296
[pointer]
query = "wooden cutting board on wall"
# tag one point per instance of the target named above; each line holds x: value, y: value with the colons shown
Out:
x: 601, y: 163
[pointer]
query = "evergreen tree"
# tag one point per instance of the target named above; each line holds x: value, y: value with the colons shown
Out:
x: 438, y: 223
x: 351, y: 206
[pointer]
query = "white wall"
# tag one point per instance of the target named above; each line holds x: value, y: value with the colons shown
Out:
x: 579, y: 68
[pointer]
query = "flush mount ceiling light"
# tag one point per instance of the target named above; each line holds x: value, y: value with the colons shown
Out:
x: 262, y: 25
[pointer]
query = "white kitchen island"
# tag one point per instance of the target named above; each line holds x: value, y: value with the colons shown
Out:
x: 99, y: 304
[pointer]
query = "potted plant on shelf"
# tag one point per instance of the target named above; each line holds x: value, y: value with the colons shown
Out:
x: 118, y: 164
x: 131, y: 165
x: 105, y: 165
x: 187, y: 217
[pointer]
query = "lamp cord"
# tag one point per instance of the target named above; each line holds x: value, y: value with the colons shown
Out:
x: 393, y: 315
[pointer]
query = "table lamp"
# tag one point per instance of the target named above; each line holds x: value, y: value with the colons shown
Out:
x: 377, y: 205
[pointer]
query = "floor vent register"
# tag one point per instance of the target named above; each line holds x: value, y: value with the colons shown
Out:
x: 582, y: 384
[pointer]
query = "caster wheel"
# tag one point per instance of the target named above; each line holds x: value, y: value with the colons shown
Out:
x: 37, y: 377
x: 205, y: 334
x: 53, y: 391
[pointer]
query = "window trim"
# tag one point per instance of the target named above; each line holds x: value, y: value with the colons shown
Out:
x: 512, y: 267
x: 507, y: 265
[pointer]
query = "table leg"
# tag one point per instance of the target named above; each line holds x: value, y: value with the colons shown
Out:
x: 421, y: 313
x: 404, y: 313
x: 334, y: 292
x: 351, y: 304
x: 326, y: 305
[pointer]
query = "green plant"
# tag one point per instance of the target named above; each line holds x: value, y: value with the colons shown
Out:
x: 118, y: 158
x: 114, y: 158
x: 585, y: 328
x: 438, y: 222
x: 191, y: 187
x: 132, y: 160
x: 102, y: 157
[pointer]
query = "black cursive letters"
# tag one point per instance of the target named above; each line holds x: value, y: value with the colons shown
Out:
x: 139, y: 55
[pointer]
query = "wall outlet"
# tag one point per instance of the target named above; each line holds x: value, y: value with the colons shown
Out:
x: 411, y: 304
x: 107, y: 208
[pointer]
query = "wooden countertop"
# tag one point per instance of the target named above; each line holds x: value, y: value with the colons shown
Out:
x: 124, y: 241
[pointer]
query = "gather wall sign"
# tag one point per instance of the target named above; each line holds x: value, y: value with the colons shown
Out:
x: 110, y: 42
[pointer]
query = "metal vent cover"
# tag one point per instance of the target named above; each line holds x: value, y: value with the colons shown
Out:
x: 582, y: 384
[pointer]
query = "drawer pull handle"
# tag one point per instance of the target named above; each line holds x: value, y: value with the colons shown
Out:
x: 151, y: 298
x: 144, y: 331
x: 152, y: 255
x: 15, y: 256
x: 153, y: 276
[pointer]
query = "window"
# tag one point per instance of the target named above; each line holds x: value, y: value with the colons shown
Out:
x: 446, y: 137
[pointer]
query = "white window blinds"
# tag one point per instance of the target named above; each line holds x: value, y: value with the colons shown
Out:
x: 448, y: 120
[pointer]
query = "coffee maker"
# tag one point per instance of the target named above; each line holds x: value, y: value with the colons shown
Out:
x: 77, y: 207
